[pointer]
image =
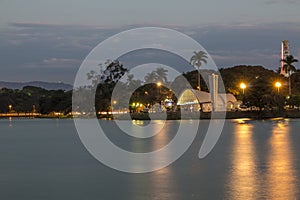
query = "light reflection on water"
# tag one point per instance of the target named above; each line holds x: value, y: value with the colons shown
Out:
x: 255, y: 174
x: 252, y: 160
x: 163, y: 182
x: 281, y: 178
x: 243, y: 182
x: 160, y: 184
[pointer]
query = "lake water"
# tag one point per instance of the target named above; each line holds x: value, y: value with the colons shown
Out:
x: 45, y: 159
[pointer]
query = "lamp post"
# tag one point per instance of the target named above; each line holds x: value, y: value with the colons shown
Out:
x: 243, y: 87
x: 278, y: 85
x: 158, y: 85
x: 114, y: 102
x: 10, y: 108
x: 280, y: 103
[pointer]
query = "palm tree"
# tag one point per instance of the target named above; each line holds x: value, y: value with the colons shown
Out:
x: 196, y: 60
x: 151, y: 77
x: 162, y: 74
x: 288, y: 68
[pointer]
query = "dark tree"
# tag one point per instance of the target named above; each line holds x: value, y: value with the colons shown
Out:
x: 104, y: 82
x: 288, y: 68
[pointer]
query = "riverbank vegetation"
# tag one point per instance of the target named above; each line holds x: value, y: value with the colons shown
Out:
x: 260, y: 92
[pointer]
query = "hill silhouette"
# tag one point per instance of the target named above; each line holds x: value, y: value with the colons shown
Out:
x: 41, y: 84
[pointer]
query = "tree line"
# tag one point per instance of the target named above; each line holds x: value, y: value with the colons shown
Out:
x: 260, y: 91
x: 35, y: 99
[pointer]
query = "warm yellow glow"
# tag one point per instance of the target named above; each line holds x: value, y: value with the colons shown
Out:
x: 281, y: 176
x: 114, y: 102
x: 158, y: 84
x: 243, y: 86
x: 10, y: 108
x: 242, y: 179
x: 278, y: 84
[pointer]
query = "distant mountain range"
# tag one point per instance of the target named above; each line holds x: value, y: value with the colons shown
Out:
x: 42, y: 84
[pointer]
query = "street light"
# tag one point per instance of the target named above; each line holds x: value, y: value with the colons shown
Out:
x: 10, y: 107
x: 158, y: 85
x: 278, y: 85
x: 113, y: 108
x: 243, y: 87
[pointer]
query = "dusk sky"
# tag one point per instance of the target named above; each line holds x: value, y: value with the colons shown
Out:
x: 48, y: 40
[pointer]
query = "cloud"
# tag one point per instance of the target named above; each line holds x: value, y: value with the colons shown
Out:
x: 251, y: 44
x: 271, y: 2
x: 53, y: 52
x: 60, y: 61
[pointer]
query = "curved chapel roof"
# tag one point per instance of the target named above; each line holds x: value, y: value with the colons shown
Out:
x: 191, y: 96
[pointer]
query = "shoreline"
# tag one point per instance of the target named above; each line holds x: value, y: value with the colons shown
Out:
x: 255, y: 115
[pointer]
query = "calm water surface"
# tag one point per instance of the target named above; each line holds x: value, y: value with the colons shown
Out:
x: 44, y: 159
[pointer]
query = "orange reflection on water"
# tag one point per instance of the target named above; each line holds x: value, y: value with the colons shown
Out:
x: 163, y: 181
x: 281, y: 179
x: 243, y: 182
x: 160, y: 184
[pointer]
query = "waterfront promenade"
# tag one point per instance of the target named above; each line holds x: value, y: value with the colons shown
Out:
x: 21, y: 114
x: 168, y: 115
